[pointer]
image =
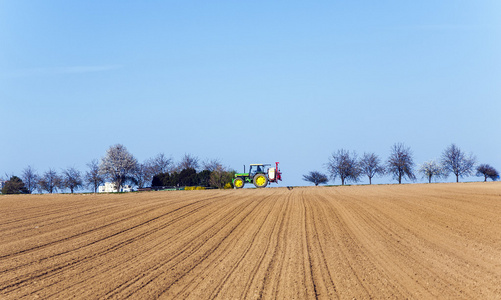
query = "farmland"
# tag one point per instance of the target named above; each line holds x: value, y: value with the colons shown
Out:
x: 385, y: 241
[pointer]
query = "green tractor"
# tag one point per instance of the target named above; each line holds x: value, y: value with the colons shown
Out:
x: 259, y: 174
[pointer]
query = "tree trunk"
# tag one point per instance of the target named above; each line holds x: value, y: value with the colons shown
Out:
x: 118, y: 184
x: 370, y: 180
x: 429, y: 178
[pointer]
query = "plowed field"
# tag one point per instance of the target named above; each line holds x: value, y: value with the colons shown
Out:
x: 397, y: 241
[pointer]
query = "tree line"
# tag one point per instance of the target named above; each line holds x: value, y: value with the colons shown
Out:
x: 346, y: 166
x: 120, y: 167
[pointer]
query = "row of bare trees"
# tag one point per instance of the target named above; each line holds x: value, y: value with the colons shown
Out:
x: 50, y: 181
x: 118, y: 166
x: 400, y: 165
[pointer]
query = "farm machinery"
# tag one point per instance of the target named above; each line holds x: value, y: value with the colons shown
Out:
x: 259, y: 174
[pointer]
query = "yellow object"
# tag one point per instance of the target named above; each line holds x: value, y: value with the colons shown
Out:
x: 192, y: 188
x: 238, y: 183
x: 260, y: 180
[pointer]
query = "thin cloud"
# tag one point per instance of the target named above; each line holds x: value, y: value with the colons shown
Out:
x: 59, y: 71
x: 438, y: 27
x: 86, y: 69
x: 444, y: 27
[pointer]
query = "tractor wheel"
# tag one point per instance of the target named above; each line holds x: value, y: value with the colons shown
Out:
x: 260, y: 180
x: 238, y: 183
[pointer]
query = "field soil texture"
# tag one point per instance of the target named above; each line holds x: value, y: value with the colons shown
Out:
x: 416, y: 241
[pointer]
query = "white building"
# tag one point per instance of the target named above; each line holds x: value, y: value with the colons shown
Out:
x: 109, y: 187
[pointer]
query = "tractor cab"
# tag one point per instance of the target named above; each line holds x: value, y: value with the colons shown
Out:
x: 257, y: 169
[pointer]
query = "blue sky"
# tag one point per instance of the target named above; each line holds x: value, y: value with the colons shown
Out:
x: 247, y: 82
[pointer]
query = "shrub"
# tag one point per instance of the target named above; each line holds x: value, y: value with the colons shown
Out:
x: 161, y: 179
x: 14, y: 186
x: 187, y: 177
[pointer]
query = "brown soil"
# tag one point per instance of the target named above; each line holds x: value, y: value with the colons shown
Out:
x: 397, y: 241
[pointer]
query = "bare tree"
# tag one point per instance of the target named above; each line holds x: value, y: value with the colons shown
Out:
x: 455, y: 161
x: 161, y: 164
x: 400, y: 163
x: 72, y: 179
x: 118, y: 165
x: 30, y: 178
x: 188, y: 162
x: 212, y: 165
x: 50, y: 181
x: 344, y: 165
x: 316, y: 178
x: 93, y: 178
x: 370, y: 165
x: 143, y: 173
x: 487, y: 171
x: 431, y: 169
